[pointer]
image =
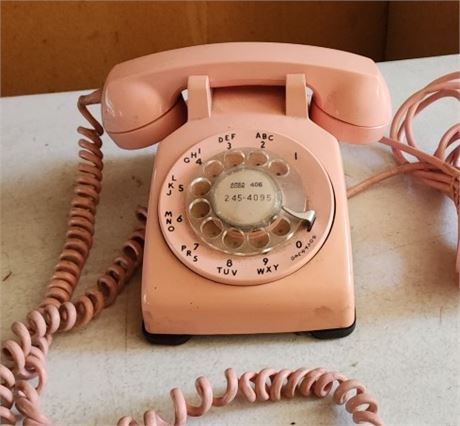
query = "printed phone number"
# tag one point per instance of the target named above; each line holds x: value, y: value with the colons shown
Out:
x: 250, y: 197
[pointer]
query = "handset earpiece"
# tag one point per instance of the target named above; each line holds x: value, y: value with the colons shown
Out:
x: 343, y: 131
x: 136, y: 115
x: 358, y: 110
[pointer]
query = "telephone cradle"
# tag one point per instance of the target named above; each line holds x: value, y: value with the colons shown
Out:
x: 247, y: 228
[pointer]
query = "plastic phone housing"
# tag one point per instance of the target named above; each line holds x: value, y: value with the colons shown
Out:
x: 242, y: 88
x: 318, y: 295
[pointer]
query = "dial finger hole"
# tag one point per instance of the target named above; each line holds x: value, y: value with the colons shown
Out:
x: 258, y: 238
x: 281, y: 227
x: 257, y: 158
x: 279, y: 168
x: 200, y: 187
x: 233, y: 159
x: 213, y: 168
x: 233, y: 238
x: 199, y: 208
x: 211, y: 227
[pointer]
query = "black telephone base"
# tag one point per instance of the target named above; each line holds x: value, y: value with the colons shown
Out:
x: 165, y: 339
x: 333, y: 333
x: 179, y: 339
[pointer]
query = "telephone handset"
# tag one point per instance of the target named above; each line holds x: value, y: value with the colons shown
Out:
x: 141, y: 102
x: 248, y: 194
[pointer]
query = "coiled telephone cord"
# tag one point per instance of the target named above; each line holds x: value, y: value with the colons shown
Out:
x: 25, y: 358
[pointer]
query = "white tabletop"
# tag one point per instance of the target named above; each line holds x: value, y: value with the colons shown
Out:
x: 406, y: 344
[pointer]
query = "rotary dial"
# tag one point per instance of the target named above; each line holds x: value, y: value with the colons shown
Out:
x: 235, y: 201
x: 238, y: 207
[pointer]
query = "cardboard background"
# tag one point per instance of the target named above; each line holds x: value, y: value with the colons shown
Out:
x: 58, y: 46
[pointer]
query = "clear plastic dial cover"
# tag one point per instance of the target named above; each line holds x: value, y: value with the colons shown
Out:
x: 234, y: 201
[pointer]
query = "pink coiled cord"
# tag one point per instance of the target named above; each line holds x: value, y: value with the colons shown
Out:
x: 25, y: 358
x: 271, y: 385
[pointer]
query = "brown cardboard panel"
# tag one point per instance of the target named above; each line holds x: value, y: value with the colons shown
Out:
x: 57, y: 46
x: 353, y: 26
x: 417, y: 29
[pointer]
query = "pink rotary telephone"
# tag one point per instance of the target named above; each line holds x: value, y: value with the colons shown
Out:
x: 247, y: 228
x: 248, y: 189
